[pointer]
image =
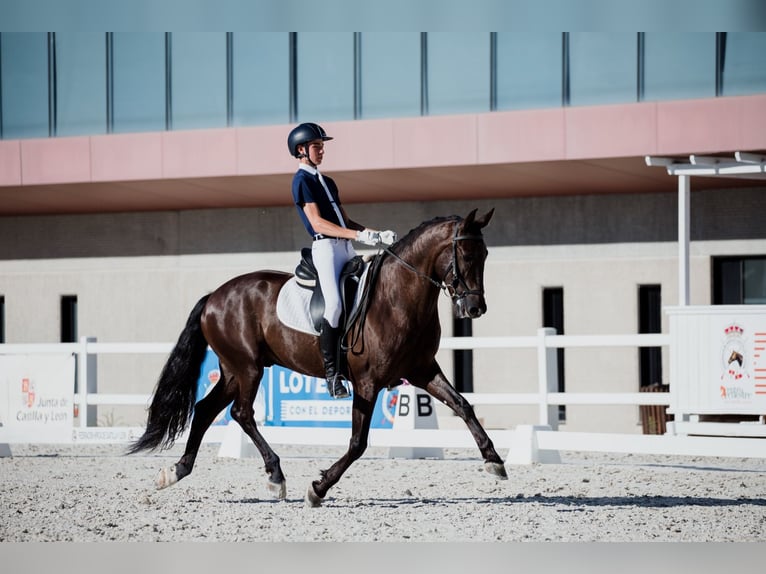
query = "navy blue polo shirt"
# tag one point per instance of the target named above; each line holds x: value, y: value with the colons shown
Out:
x: 308, y: 189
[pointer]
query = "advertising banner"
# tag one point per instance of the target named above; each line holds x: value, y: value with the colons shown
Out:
x: 293, y: 399
x: 287, y: 398
x: 738, y: 355
x: 718, y: 359
x: 36, y: 398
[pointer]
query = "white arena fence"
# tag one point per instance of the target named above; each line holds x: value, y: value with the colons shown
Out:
x: 534, y: 440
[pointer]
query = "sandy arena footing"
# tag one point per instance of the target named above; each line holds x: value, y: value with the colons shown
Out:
x: 94, y: 493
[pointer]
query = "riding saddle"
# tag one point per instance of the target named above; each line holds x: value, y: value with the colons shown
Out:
x: 350, y: 277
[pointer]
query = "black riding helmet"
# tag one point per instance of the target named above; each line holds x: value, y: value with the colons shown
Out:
x: 303, y: 134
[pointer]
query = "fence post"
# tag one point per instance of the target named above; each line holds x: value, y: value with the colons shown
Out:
x: 87, y: 382
x: 92, y: 383
x: 81, y: 376
x: 547, y: 378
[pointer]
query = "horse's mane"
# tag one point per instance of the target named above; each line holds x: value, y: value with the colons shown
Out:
x: 399, y: 249
x: 406, y: 242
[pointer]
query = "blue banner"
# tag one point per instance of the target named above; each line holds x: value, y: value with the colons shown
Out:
x: 293, y: 399
x: 209, y: 375
x: 287, y: 398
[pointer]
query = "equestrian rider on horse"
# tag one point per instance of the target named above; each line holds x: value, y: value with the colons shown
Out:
x: 319, y: 207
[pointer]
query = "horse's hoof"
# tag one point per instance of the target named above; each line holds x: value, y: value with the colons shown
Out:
x: 496, y: 469
x: 313, y: 500
x: 166, y: 477
x: 277, y: 490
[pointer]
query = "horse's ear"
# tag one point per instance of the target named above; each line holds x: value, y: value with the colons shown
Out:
x: 484, y: 219
x: 468, y: 221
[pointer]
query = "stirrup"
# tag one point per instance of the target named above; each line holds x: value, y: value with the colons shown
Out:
x: 337, y: 388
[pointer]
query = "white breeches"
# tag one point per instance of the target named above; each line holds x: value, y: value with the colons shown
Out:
x: 330, y: 255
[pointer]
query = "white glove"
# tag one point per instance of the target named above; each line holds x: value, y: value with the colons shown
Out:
x: 368, y: 236
x: 388, y: 237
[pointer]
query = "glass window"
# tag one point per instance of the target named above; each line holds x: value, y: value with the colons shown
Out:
x: 390, y: 74
x: 529, y: 70
x: 727, y: 281
x: 739, y: 280
x: 754, y: 279
x: 649, y: 321
x: 69, y: 318
x: 80, y: 83
x: 261, y: 78
x: 458, y: 72
x: 198, y: 80
x: 679, y: 65
x: 24, y: 84
x: 139, y: 81
x: 744, y: 71
x: 325, y: 76
x: 602, y: 68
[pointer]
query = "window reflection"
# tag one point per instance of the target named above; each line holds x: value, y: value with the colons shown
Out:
x: 343, y: 76
x: 679, y: 65
x: 529, y: 70
x: 139, y: 81
x: 325, y: 76
x: 744, y: 71
x: 390, y: 74
x: 261, y: 72
x: 754, y: 279
x: 80, y: 83
x: 602, y: 68
x: 24, y: 83
x: 458, y: 72
x: 198, y: 71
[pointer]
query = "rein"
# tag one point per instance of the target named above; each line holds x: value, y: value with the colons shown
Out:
x: 457, y: 277
x: 355, y: 324
x: 417, y: 272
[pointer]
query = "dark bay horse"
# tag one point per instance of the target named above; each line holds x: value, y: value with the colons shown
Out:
x: 399, y: 339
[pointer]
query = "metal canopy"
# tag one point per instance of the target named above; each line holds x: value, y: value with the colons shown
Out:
x: 742, y: 166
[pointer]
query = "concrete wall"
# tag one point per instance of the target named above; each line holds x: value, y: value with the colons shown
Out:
x: 553, y: 220
x: 137, y: 276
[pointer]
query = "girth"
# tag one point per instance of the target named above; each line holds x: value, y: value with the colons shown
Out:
x: 306, y: 276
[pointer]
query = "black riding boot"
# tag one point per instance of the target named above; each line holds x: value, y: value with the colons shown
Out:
x: 328, y: 342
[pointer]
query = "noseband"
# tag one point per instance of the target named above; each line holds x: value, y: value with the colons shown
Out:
x: 450, y: 289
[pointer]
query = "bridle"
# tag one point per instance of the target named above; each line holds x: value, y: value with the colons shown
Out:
x: 356, y: 324
x: 450, y: 289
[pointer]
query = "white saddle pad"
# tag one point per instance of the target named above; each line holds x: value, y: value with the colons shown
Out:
x: 293, y: 304
x: 293, y: 307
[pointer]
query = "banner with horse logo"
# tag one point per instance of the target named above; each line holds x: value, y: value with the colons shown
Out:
x: 740, y: 361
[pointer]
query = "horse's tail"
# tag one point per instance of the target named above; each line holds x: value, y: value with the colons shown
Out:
x: 175, y: 395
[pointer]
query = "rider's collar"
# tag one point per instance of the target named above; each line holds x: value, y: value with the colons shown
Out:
x: 308, y: 168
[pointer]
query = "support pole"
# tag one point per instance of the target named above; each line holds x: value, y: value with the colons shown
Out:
x: 684, y: 224
x: 547, y: 379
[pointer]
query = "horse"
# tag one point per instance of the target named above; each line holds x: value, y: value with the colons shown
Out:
x: 398, y: 337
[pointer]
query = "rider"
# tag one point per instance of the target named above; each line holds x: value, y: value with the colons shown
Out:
x: 316, y: 197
